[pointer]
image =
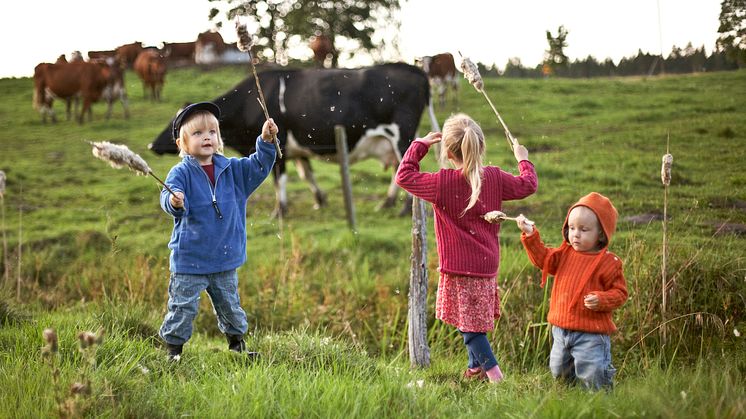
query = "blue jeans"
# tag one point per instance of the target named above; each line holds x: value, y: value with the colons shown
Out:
x: 479, y: 350
x: 582, y: 356
x: 183, y: 303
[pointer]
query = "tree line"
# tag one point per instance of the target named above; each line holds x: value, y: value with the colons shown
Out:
x: 680, y: 60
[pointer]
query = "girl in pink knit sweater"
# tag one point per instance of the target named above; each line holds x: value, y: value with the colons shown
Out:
x: 468, y: 246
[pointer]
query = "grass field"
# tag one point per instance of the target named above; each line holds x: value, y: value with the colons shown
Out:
x: 328, y: 307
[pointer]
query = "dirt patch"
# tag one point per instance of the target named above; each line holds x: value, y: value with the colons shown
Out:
x: 722, y: 229
x: 643, y: 218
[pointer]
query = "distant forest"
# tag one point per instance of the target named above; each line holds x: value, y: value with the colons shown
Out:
x: 686, y: 60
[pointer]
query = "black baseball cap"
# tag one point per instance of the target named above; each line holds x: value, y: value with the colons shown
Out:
x: 189, y: 111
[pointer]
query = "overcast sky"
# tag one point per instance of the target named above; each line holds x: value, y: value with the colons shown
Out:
x: 488, y: 31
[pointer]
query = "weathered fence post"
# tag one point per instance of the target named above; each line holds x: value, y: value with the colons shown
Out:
x: 344, y: 166
x: 419, y: 351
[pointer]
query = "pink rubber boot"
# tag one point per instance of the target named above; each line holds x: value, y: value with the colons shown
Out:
x: 494, y: 374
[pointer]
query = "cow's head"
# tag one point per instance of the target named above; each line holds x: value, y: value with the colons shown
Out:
x: 164, y: 143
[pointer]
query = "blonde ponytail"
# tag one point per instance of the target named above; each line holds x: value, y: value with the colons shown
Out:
x: 463, y: 138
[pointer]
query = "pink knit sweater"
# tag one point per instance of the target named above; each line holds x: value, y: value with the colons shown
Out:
x: 467, y: 245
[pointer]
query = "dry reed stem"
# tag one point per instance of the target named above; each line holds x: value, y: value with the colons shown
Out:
x: 471, y: 73
x: 244, y: 44
x: 499, y: 216
x: 6, y: 268
x: 119, y: 156
x: 666, y: 163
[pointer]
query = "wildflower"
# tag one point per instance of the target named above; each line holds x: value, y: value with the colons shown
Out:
x: 89, y: 339
x: 736, y: 333
x: 50, y: 337
x: 2, y: 183
x: 80, y: 388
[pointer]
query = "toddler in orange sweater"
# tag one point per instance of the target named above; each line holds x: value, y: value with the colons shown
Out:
x: 588, y: 285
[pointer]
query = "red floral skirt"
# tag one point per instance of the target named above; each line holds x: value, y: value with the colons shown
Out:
x: 471, y: 304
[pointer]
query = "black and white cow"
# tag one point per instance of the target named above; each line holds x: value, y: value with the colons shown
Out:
x: 379, y: 106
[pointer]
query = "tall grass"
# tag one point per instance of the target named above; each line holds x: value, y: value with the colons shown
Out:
x: 103, y: 238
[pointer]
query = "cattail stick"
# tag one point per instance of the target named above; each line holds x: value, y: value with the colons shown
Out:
x: 499, y: 216
x: 666, y: 163
x: 118, y: 156
x: 244, y: 44
x: 6, y: 268
x: 471, y: 73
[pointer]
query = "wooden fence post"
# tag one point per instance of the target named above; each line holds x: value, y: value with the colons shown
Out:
x: 340, y: 137
x: 419, y: 351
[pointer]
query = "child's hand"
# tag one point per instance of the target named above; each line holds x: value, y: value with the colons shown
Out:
x: 520, y: 152
x: 525, y: 224
x: 432, y: 138
x: 177, y: 200
x: 591, y: 301
x: 269, y: 130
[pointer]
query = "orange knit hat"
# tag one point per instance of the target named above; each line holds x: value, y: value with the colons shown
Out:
x: 607, y: 216
x: 604, y: 210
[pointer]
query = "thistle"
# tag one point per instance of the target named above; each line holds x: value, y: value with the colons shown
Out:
x: 244, y: 44
x: 471, y: 73
x: 50, y: 338
x: 119, y: 156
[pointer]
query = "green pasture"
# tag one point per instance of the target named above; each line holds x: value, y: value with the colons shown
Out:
x: 328, y: 307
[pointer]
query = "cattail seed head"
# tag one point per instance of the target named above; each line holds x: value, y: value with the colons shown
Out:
x: 666, y: 169
x: 471, y: 73
x: 50, y: 338
x: 244, y: 39
x: 119, y: 155
x: 2, y: 183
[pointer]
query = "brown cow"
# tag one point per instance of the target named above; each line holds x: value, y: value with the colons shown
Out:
x: 128, y: 53
x: 95, y: 55
x: 67, y: 80
x: 441, y: 70
x: 150, y: 66
x: 323, y: 47
x: 179, y: 52
x: 208, y: 47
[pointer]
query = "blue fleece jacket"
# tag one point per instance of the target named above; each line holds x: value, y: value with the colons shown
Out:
x: 209, y: 233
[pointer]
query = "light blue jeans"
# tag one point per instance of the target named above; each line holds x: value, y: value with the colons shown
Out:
x: 183, y: 303
x: 581, y: 356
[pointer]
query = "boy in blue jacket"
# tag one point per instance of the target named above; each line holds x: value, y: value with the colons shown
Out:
x: 208, y: 242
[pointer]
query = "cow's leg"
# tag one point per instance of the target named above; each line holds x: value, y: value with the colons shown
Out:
x: 68, y: 104
x: 303, y: 165
x: 125, y: 104
x: 281, y: 195
x: 86, y: 109
x: 392, y: 194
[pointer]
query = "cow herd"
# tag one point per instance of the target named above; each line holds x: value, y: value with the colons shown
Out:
x: 101, y: 77
x: 380, y: 107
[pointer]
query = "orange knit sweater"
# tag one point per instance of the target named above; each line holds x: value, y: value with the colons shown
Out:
x: 572, y: 283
